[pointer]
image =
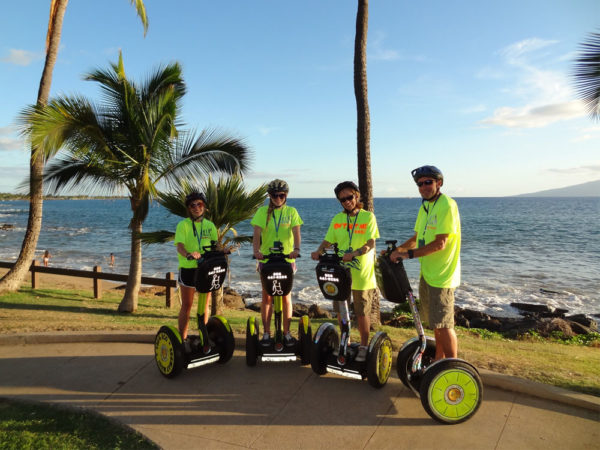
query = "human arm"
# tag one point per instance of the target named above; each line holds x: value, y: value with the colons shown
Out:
x: 365, y: 248
x: 297, y: 240
x: 256, y: 243
x: 404, y: 252
x: 183, y: 252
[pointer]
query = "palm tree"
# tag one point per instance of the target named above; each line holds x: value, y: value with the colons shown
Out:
x: 587, y: 74
x: 14, y: 277
x: 363, y: 126
x: 128, y: 142
x: 229, y: 203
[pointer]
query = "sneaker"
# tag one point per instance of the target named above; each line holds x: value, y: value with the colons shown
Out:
x: 362, y: 354
x: 266, y: 339
x: 289, y: 340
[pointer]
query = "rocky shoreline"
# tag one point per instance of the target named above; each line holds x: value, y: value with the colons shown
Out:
x: 539, y: 318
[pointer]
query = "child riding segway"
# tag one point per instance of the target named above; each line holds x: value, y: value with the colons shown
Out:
x: 215, y: 341
x: 277, y: 277
x: 333, y: 354
x: 450, y: 389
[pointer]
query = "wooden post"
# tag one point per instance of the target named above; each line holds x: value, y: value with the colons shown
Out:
x: 34, y: 263
x: 97, y: 283
x: 169, y: 290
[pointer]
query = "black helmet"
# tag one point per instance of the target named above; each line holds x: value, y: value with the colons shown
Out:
x: 277, y: 185
x: 194, y: 195
x: 345, y: 185
x: 427, y: 171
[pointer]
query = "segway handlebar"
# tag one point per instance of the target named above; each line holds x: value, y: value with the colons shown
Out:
x: 212, y: 247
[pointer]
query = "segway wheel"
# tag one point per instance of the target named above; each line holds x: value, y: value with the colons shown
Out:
x: 405, y: 360
x: 221, y: 334
x: 168, y: 352
x: 451, y: 391
x: 305, y: 339
x: 252, y: 332
x: 379, y: 363
x: 321, y: 350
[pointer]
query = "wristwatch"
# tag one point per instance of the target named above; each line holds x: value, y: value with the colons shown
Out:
x: 411, y: 254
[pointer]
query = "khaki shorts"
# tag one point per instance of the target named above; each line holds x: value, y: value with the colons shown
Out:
x: 363, y: 301
x: 437, y: 305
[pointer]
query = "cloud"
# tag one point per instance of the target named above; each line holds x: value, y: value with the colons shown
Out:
x: 591, y: 169
x: 535, y: 116
x: 9, y: 140
x: 545, y: 96
x: 21, y: 57
x: 378, y: 52
x: 473, y: 109
x: 267, y: 130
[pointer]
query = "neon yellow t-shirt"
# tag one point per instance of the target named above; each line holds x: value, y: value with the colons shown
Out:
x: 364, y: 229
x: 278, y: 228
x: 440, y: 269
x: 185, y: 234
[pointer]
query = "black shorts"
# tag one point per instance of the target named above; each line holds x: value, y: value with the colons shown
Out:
x: 187, y: 277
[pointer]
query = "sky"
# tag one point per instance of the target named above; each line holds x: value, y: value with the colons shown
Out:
x: 482, y: 90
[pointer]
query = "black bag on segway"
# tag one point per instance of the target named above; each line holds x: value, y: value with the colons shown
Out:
x: 277, y: 277
x: 392, y: 280
x: 211, y: 271
x: 335, y: 280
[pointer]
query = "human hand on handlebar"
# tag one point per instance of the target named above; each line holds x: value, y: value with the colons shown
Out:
x: 295, y: 254
x: 194, y: 255
x: 398, y: 253
x: 258, y: 255
x: 315, y: 255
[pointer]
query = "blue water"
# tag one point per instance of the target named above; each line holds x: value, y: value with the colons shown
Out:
x: 514, y: 249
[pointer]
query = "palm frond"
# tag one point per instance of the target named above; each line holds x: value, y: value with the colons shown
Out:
x: 156, y: 237
x: 587, y: 74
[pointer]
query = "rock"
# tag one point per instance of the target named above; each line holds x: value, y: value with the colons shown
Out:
x: 530, y: 307
x: 316, y: 312
x: 253, y: 306
x: 547, y: 326
x: 584, y: 320
x: 578, y: 328
x: 7, y: 226
x: 232, y: 300
x: 299, y: 310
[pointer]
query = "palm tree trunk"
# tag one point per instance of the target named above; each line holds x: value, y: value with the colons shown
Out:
x: 130, y: 298
x: 216, y: 307
x: 363, y: 122
x: 15, y: 276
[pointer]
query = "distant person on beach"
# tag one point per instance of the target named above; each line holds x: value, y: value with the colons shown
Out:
x: 436, y: 243
x: 46, y: 258
x: 112, y: 260
x: 354, y: 230
x: 191, y: 235
x: 276, y: 222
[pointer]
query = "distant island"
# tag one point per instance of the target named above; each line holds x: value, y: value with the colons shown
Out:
x: 590, y: 189
x: 8, y: 196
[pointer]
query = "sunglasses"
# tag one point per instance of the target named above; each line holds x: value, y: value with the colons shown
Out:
x: 426, y: 183
x: 197, y: 205
x: 346, y: 199
x: 281, y: 196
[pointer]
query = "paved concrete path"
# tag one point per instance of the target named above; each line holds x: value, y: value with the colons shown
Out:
x: 275, y: 405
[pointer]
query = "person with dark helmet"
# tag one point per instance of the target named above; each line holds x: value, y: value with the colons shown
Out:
x: 191, y: 235
x: 436, y: 243
x: 276, y: 222
x: 355, y: 231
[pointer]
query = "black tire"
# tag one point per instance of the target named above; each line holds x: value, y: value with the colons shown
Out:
x: 252, y: 332
x: 451, y: 391
x: 404, y: 362
x: 320, y: 351
x: 379, y: 361
x: 304, y: 340
x: 222, y: 336
x: 168, y: 352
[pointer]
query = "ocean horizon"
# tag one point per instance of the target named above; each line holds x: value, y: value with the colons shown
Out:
x: 539, y: 250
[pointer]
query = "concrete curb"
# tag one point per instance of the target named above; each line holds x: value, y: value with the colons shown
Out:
x: 489, y: 378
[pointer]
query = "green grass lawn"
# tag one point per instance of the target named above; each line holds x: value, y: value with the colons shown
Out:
x: 575, y: 367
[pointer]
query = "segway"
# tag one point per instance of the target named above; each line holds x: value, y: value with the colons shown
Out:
x: 277, y: 277
x: 215, y: 341
x: 450, y: 389
x: 334, y: 355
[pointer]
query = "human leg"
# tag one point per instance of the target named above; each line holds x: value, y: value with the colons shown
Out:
x: 187, y: 301
x: 287, y: 312
x: 446, y: 344
x: 266, y: 311
x: 440, y: 309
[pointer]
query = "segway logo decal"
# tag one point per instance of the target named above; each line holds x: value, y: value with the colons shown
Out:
x: 330, y: 288
x: 216, y: 282
x: 277, y: 288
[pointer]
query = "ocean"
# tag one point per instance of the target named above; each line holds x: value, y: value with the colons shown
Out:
x: 533, y: 250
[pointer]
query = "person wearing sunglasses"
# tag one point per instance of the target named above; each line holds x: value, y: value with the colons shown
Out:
x: 354, y: 230
x: 436, y: 243
x: 191, y: 235
x: 276, y: 222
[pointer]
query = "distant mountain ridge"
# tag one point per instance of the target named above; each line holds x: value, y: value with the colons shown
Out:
x: 589, y: 189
